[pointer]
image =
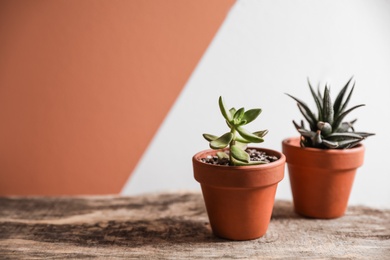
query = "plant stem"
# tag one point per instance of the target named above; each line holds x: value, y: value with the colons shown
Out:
x: 232, y: 142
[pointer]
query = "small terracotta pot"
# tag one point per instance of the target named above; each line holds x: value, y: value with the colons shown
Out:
x: 239, y: 199
x: 321, y: 180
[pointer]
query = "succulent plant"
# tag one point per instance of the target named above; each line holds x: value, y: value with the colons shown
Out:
x: 237, y: 138
x: 327, y: 130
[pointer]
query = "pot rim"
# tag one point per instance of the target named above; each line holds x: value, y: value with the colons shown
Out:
x: 288, y: 142
x: 280, y: 155
x: 335, y: 159
x: 252, y: 176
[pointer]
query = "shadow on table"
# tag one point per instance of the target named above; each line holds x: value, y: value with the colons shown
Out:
x: 284, y: 210
x: 136, y: 233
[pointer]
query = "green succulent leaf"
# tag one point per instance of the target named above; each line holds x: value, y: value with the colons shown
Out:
x: 226, y: 114
x: 239, y: 154
x: 210, y: 137
x: 251, y: 115
x: 222, y: 155
x: 232, y: 111
x: 240, y: 163
x: 232, y: 145
x: 241, y: 139
x: 222, y: 142
x: 242, y: 145
x: 238, y: 116
x: 239, y: 113
x: 248, y: 135
x: 261, y: 133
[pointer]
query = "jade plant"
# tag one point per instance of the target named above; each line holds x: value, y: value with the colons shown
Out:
x: 327, y: 130
x: 232, y: 145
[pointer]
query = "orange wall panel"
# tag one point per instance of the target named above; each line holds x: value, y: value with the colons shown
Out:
x: 84, y: 86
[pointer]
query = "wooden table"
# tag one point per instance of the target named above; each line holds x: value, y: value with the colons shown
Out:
x: 175, y: 226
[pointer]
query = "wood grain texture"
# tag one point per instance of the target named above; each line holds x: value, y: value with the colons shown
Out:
x: 175, y: 226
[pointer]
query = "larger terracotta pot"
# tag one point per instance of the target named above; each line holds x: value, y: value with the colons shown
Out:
x: 239, y: 199
x: 321, y: 180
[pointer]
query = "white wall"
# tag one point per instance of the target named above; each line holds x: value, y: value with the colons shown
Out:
x: 268, y: 48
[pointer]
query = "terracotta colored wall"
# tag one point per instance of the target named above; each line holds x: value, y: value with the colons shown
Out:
x: 84, y: 85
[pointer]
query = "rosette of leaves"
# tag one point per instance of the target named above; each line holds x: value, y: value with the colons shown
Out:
x: 327, y: 130
x: 237, y: 138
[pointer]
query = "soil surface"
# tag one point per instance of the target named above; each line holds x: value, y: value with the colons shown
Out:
x: 254, y: 155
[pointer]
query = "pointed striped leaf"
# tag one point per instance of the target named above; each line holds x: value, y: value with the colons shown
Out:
x: 317, y: 139
x: 343, y: 106
x: 345, y: 126
x: 340, y: 97
x: 341, y: 136
x: 298, y: 126
x: 306, y: 133
x: 305, y: 110
x: 317, y: 101
x: 319, y: 93
x: 308, y: 118
x: 364, y: 134
x: 327, y: 107
x: 348, y: 144
x: 330, y: 144
x: 340, y: 118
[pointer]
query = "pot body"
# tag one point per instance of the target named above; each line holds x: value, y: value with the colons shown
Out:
x: 321, y: 180
x: 239, y: 199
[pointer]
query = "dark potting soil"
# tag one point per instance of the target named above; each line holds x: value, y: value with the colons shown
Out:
x: 254, y: 155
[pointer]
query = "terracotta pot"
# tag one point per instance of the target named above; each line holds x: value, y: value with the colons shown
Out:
x: 239, y: 199
x: 321, y: 180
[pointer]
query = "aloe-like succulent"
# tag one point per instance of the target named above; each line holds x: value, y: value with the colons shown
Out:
x: 327, y: 130
x: 237, y: 139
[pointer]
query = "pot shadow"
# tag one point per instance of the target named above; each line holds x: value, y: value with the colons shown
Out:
x: 284, y: 209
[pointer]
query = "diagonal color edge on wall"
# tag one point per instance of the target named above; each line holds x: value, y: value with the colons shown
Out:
x: 85, y: 86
